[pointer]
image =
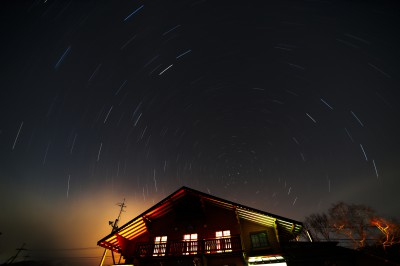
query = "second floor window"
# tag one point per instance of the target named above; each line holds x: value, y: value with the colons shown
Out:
x: 220, y: 234
x: 190, y: 241
x: 160, y: 243
x: 224, y: 243
x: 259, y: 240
x: 221, y: 242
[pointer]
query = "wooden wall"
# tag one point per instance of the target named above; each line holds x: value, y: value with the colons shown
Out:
x: 248, y: 227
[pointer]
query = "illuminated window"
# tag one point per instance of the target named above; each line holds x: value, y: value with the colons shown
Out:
x: 221, y: 242
x: 259, y: 240
x: 274, y: 260
x: 190, y: 244
x: 160, y: 243
x: 224, y: 243
x: 226, y: 233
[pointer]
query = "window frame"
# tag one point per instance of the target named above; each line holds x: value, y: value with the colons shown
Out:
x: 261, y: 243
x: 223, y: 242
x: 191, y: 244
x: 160, y: 244
x: 224, y: 234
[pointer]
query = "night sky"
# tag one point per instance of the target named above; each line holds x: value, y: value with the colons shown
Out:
x: 285, y: 106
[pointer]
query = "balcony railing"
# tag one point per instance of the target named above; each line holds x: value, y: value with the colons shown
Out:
x: 182, y: 248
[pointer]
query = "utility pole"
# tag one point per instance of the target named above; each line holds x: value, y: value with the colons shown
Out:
x: 26, y: 256
x: 114, y: 226
x: 11, y: 260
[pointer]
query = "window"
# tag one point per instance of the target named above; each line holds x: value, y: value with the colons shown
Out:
x: 226, y: 233
x: 274, y: 260
x: 259, y: 240
x: 190, y: 244
x: 221, y: 242
x: 160, y: 243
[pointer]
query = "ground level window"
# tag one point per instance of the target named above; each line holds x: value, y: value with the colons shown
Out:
x: 274, y: 260
x: 259, y: 240
x: 160, y: 243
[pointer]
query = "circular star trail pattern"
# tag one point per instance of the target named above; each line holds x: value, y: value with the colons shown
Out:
x: 285, y: 106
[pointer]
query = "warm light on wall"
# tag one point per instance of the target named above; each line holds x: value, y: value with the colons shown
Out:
x: 269, y: 260
x: 272, y: 263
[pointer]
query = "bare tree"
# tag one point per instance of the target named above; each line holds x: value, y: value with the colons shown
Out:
x: 360, y: 225
x: 352, y: 220
x: 390, y: 231
x: 318, y: 225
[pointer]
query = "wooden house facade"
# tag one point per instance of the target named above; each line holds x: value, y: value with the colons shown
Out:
x: 194, y: 228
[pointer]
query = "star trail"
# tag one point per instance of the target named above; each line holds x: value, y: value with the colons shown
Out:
x: 284, y: 106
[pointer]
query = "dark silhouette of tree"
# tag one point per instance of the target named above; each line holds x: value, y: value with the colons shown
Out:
x: 352, y: 221
x: 318, y: 225
x: 390, y: 231
x: 355, y: 222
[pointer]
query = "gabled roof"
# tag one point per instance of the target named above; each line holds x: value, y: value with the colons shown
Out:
x: 287, y: 228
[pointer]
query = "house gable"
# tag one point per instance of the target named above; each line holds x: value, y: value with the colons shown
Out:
x: 250, y: 230
x: 191, y: 211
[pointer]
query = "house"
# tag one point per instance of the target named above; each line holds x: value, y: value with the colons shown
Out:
x: 190, y: 227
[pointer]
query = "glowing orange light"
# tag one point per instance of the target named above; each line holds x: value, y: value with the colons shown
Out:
x: 390, y: 231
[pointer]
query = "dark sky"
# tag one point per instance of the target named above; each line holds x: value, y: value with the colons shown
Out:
x: 285, y: 106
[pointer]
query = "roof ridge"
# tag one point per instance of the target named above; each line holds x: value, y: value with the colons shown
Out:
x: 201, y: 194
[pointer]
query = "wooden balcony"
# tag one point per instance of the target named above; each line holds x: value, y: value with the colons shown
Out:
x: 183, y: 248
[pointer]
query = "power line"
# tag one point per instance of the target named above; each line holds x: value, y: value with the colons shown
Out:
x: 63, y: 249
